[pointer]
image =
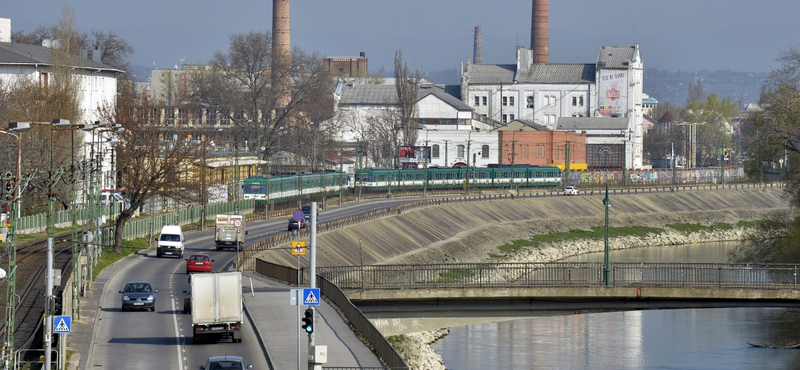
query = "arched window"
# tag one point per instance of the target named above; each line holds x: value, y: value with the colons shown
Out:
x: 435, y: 151
x: 461, y: 151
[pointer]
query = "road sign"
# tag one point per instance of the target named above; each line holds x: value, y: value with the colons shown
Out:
x: 237, y: 222
x: 298, y: 248
x: 62, y: 324
x: 311, y: 297
x: 298, y: 215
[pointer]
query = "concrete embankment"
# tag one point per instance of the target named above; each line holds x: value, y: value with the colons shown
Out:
x: 469, y: 232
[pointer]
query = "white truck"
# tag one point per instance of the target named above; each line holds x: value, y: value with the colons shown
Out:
x: 217, y: 310
x: 229, y: 231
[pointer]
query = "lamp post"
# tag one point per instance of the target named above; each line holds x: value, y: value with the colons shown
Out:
x: 11, y: 292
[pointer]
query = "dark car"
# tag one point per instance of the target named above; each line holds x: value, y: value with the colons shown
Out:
x: 138, y: 295
x: 225, y: 363
x: 296, y: 225
x: 307, y: 213
x: 187, y: 301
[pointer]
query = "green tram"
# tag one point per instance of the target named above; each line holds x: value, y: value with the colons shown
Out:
x: 454, y: 177
x: 288, y: 187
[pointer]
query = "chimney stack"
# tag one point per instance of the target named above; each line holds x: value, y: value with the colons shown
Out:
x: 281, y: 51
x: 476, y: 54
x: 540, y: 32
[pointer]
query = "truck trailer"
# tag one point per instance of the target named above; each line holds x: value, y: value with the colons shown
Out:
x: 217, y: 310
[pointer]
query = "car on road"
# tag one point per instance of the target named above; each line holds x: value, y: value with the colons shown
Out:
x: 198, y: 263
x: 138, y: 295
x: 225, y: 363
x: 187, y: 301
x: 297, y: 225
x: 570, y: 190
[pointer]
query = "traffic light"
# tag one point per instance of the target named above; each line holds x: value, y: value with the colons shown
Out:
x: 308, y: 321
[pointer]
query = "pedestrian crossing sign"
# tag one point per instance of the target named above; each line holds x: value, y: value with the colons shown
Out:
x: 62, y: 324
x: 311, y: 297
x: 298, y: 248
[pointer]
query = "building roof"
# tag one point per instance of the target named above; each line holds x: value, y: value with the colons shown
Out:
x: 615, y: 57
x: 591, y: 123
x: 666, y: 118
x: 12, y: 53
x: 579, y: 73
x: 355, y: 94
x: 523, y: 125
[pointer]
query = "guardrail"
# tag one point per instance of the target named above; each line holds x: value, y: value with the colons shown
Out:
x: 564, y: 274
x: 360, y: 323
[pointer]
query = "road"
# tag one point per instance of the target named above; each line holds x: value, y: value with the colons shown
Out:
x: 136, y: 339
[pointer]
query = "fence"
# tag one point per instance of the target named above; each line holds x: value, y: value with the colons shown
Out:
x: 564, y: 274
x: 360, y: 323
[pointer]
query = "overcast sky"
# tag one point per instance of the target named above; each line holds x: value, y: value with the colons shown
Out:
x: 739, y: 35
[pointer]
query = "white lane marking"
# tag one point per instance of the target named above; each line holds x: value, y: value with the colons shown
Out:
x: 178, y: 337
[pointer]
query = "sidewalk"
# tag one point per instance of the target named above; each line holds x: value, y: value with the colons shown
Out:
x: 276, y: 323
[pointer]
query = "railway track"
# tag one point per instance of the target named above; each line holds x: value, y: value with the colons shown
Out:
x: 31, y: 289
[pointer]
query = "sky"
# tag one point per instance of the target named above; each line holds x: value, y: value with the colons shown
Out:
x: 686, y: 35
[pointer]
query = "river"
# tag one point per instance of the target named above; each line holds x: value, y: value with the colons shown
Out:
x: 652, y: 339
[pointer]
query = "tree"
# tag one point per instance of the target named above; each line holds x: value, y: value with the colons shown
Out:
x: 407, y: 87
x: 713, y: 129
x: 149, y: 164
x: 696, y: 91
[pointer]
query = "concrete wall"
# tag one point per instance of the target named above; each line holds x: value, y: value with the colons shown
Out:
x: 468, y: 232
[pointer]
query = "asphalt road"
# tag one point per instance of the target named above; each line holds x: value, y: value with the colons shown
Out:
x: 140, y: 339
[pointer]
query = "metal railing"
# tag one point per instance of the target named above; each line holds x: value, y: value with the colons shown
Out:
x: 564, y: 274
x: 360, y: 323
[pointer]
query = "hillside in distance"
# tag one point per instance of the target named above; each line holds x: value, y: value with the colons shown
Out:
x: 670, y: 86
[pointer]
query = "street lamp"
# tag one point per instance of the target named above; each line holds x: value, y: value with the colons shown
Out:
x: 606, y: 266
x: 11, y: 293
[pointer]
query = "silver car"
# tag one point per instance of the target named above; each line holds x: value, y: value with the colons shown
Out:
x: 224, y: 363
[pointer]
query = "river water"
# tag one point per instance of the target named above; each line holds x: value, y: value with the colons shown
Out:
x: 652, y: 339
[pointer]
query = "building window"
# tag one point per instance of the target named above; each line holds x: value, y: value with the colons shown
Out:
x: 581, y: 101
x: 484, y: 101
x: 556, y: 148
x: 511, y: 101
x: 477, y: 101
x: 574, y: 101
x: 435, y: 151
x: 527, y: 151
x: 511, y: 117
x: 505, y: 101
x: 485, y: 151
x: 505, y: 118
x: 530, y: 101
x: 461, y: 151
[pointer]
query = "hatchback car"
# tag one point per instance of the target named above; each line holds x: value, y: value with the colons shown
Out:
x: 570, y: 190
x: 296, y: 225
x: 198, y: 263
x: 225, y: 363
x: 138, y: 295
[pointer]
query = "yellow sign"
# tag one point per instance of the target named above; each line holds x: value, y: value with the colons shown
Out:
x: 298, y: 248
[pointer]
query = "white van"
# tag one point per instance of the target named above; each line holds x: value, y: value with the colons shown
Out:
x: 170, y: 243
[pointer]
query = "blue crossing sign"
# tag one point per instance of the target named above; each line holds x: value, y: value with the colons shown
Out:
x: 62, y: 324
x: 311, y: 297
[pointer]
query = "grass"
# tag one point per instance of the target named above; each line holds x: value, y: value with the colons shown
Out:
x: 454, y: 275
x: 396, y: 339
x: 692, y: 228
x: 597, y: 232
x: 109, y: 256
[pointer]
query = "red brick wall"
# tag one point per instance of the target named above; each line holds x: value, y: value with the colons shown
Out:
x: 543, y: 148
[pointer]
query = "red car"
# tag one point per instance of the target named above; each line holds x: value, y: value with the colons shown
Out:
x: 198, y: 263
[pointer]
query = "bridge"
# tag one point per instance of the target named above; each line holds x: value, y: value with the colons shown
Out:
x: 566, y: 286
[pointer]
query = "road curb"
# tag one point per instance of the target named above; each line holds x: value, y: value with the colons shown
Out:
x: 257, y: 331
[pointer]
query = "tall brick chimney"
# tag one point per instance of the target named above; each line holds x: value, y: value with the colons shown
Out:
x: 476, y: 53
x: 540, y: 32
x: 281, y: 52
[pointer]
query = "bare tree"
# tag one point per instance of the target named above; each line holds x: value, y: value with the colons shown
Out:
x: 148, y: 164
x: 407, y: 87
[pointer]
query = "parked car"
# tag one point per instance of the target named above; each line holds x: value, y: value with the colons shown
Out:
x: 297, y: 225
x: 570, y: 190
x: 187, y: 301
x: 198, y: 263
x: 138, y: 295
x: 225, y: 363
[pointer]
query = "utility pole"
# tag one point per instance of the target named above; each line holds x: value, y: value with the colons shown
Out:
x: 606, y: 265
x: 566, y: 162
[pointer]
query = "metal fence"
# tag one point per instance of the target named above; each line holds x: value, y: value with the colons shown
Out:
x: 360, y: 323
x: 564, y: 274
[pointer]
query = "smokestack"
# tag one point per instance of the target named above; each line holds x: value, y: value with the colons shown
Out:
x: 540, y: 32
x: 476, y: 54
x: 281, y: 51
